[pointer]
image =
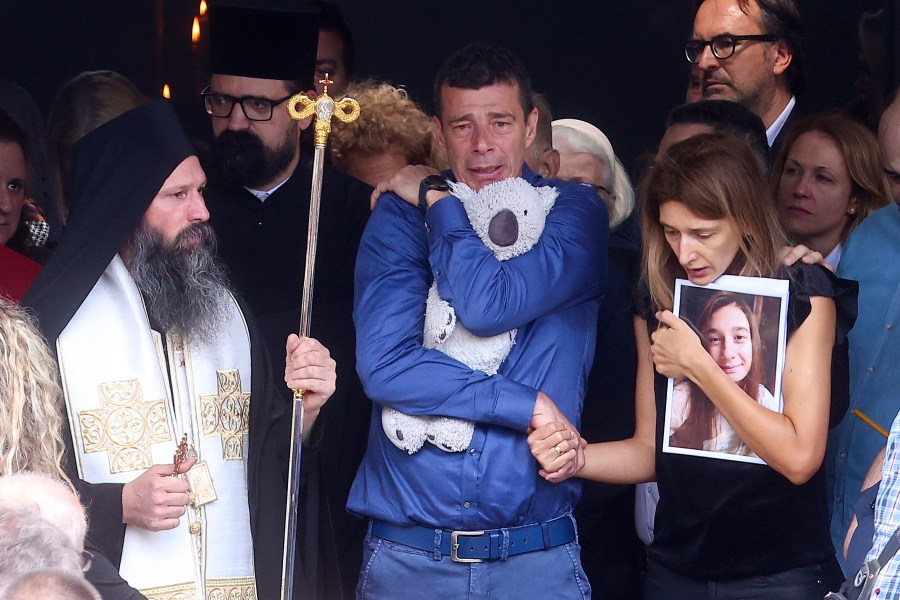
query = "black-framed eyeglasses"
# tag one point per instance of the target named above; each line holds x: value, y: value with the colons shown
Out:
x: 722, y: 46
x: 254, y: 107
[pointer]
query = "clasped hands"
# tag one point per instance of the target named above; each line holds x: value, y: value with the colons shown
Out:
x: 554, y: 441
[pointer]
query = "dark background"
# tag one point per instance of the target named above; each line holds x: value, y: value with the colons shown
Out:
x: 616, y: 64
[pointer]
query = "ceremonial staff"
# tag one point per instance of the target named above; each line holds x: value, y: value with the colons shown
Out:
x: 323, y: 108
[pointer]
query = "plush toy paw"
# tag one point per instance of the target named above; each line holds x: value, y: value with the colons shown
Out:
x: 406, y: 432
x: 451, y: 435
x: 440, y: 319
x: 409, y: 432
x: 484, y: 354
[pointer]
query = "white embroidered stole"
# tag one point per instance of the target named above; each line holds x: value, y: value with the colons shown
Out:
x: 124, y: 419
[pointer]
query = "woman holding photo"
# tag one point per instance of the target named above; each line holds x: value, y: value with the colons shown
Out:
x: 749, y: 530
x: 730, y: 333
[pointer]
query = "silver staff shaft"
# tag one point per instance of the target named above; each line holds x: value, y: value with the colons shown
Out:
x: 312, y: 239
x: 323, y: 108
x: 293, y: 494
x: 290, y: 538
x: 290, y: 519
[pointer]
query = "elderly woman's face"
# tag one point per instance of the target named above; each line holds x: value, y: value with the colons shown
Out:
x: 585, y: 168
x: 12, y: 189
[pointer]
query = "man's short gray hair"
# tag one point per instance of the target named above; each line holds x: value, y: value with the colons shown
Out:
x: 28, y: 542
x: 51, y: 584
x: 49, y: 498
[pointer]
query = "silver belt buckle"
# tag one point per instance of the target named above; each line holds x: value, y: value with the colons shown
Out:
x: 454, y: 546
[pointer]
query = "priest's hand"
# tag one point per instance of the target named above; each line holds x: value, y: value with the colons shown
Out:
x: 404, y: 183
x: 309, y: 367
x: 155, y: 501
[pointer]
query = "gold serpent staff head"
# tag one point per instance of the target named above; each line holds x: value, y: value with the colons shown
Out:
x: 324, y: 107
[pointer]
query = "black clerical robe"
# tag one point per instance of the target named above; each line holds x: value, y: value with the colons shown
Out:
x: 264, y: 246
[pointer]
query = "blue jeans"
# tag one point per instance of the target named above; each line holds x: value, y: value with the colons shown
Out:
x: 803, y: 583
x: 394, y: 571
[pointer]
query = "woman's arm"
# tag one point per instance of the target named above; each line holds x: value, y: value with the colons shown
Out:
x: 626, y: 461
x: 792, y: 443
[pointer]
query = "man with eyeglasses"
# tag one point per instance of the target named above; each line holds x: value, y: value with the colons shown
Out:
x: 748, y: 51
x: 258, y: 198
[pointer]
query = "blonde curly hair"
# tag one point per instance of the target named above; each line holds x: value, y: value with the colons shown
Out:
x: 31, y: 411
x: 389, y: 120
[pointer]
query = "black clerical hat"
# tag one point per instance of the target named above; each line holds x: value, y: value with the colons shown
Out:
x: 266, y: 39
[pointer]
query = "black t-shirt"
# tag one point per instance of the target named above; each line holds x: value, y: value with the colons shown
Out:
x: 720, y: 519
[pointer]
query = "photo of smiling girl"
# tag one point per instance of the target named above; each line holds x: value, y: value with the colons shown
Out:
x: 741, y: 528
x: 729, y: 331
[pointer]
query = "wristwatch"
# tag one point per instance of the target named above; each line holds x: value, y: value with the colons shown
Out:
x: 432, y: 182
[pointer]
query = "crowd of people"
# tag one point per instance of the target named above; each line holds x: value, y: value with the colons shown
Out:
x: 625, y: 443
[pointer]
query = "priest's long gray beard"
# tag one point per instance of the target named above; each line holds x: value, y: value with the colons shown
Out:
x: 183, y: 284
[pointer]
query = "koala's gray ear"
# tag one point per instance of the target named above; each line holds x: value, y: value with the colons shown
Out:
x: 548, y: 196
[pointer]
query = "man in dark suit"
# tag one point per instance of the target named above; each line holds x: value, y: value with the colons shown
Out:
x: 748, y: 51
x: 262, y: 52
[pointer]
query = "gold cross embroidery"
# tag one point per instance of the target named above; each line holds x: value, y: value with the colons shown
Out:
x: 227, y: 414
x: 124, y: 426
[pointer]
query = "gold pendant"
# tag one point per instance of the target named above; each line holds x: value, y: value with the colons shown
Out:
x: 201, y: 484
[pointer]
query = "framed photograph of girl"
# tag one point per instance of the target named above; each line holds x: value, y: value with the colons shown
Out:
x: 742, y: 323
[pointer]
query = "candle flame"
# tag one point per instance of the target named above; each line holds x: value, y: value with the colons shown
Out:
x: 195, y: 30
x: 202, y: 7
x: 165, y: 92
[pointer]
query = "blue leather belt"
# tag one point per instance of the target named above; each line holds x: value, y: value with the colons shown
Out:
x: 479, y: 546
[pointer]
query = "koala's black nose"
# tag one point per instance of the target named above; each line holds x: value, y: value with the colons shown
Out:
x: 504, y: 229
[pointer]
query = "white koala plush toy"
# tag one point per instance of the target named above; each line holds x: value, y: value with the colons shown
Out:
x: 509, y: 217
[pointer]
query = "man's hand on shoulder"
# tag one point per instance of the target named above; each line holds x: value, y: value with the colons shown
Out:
x: 155, y: 501
x: 404, y: 183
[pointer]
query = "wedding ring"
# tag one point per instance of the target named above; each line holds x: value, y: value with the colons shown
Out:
x: 559, y: 451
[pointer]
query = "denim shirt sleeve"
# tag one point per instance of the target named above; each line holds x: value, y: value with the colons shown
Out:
x: 490, y: 296
x: 392, y: 281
